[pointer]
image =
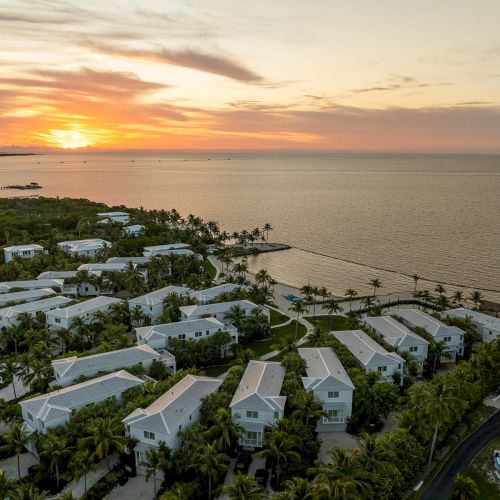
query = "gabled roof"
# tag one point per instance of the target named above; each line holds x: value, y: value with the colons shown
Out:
x: 393, y: 332
x: 475, y: 316
x: 103, y: 266
x: 56, y: 275
x: 47, y: 406
x: 136, y: 259
x: 167, y: 330
x: 260, y: 386
x: 105, y: 361
x: 219, y: 307
x: 23, y: 248
x: 37, y: 293
x: 113, y: 214
x: 168, y: 246
x: 31, y: 284
x: 158, y: 296
x: 84, y: 307
x: 134, y: 228
x: 81, y: 245
x: 324, y: 369
x: 431, y: 325
x: 365, y: 349
x: 214, y: 292
x: 34, y: 307
x: 170, y: 410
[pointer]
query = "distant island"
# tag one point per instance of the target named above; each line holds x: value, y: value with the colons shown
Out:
x: 19, y: 154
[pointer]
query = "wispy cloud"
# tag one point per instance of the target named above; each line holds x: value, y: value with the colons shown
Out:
x: 186, y: 58
x: 398, y: 83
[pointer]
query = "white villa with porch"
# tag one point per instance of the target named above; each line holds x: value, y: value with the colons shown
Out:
x: 328, y: 381
x: 209, y: 294
x: 219, y: 310
x: 168, y: 416
x: 85, y: 248
x: 21, y: 251
x: 487, y: 326
x: 257, y: 403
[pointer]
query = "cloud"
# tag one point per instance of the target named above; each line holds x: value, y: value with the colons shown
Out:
x: 186, y: 58
x: 403, y: 82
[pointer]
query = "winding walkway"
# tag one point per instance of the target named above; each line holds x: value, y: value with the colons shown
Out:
x: 460, y: 458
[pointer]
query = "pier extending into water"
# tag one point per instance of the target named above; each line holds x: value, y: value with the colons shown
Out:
x: 31, y: 185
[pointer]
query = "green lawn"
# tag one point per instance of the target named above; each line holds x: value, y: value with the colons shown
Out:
x: 338, y: 322
x: 482, y: 471
x: 210, y: 268
x: 277, y: 318
x: 216, y: 370
x: 264, y: 346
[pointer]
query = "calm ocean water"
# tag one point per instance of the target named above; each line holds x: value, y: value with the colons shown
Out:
x: 351, y: 217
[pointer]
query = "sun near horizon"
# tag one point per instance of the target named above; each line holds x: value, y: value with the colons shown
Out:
x: 333, y: 76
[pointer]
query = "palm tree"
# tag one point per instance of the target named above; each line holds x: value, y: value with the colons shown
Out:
x: 17, y: 438
x: 324, y: 293
x: 458, y: 297
x: 79, y: 326
x: 262, y: 277
x: 308, y: 407
x: 9, y: 369
x: 368, y: 302
x: 437, y: 400
x: 137, y: 315
x: 244, y: 488
x: 350, y: 294
x: 437, y: 349
x: 225, y: 428
x: 332, y: 307
x: 464, y: 488
x: 297, y: 488
x: 299, y: 308
x: 28, y: 491
x: 442, y: 302
x: 373, y: 455
x: 342, y: 477
x: 476, y: 297
x: 133, y: 279
x: 416, y: 279
x: 54, y: 451
x: 80, y: 465
x: 439, y: 288
x: 151, y: 465
x: 267, y: 227
x: 281, y: 448
x: 7, y: 486
x: 105, y: 436
x: 375, y: 283
x: 209, y: 462
x: 15, y: 334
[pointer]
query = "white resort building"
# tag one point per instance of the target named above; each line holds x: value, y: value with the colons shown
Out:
x: 370, y: 354
x: 172, y: 413
x: 62, y: 318
x: 257, y: 403
x: 329, y: 382
x: 487, y: 326
x: 55, y: 408
x: 67, y: 371
x: 164, y: 249
x: 86, y: 248
x: 21, y: 251
x: 209, y: 294
x: 158, y: 336
x: 151, y: 304
x: 453, y: 336
x: 398, y: 336
x: 10, y: 286
x: 117, y: 217
x: 9, y: 315
x: 219, y: 310
x: 134, y: 230
x: 25, y: 296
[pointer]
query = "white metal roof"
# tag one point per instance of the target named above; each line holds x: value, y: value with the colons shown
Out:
x: 135, y: 259
x: 103, y: 266
x: 433, y: 326
x: 392, y: 331
x: 365, y: 349
x: 475, y: 316
x: 178, y: 327
x: 23, y: 248
x: 81, y: 245
x: 105, y: 361
x: 31, y: 284
x: 167, y: 246
x: 83, y: 307
x: 170, y: 410
x: 113, y: 214
x: 158, y: 296
x: 37, y: 293
x: 264, y: 380
x: 34, y: 307
x: 214, y: 292
x: 323, y: 364
x: 47, y: 406
x: 219, y: 307
x: 56, y: 275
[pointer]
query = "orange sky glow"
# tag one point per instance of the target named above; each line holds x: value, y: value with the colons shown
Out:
x: 216, y: 74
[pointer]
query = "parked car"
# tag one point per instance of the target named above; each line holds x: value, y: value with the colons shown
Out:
x: 243, y: 463
x: 261, y: 476
x: 375, y: 425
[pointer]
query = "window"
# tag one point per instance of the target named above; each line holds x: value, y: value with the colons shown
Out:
x: 149, y: 435
x: 413, y: 348
x: 208, y: 332
x: 128, y: 428
x: 58, y: 320
x: 333, y: 394
x: 197, y: 334
x: 182, y: 336
x: 382, y: 368
x: 252, y: 414
x: 333, y: 417
x: 447, y: 339
x: 276, y: 415
x: 251, y: 435
x: 399, y: 366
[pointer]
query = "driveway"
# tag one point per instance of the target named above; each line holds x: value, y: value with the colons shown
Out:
x: 135, y: 488
x: 7, y: 393
x: 442, y: 484
x: 9, y: 465
x: 329, y: 440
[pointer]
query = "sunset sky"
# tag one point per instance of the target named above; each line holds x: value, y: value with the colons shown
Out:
x: 356, y: 75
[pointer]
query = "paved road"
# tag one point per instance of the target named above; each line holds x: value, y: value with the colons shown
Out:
x: 442, y: 485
